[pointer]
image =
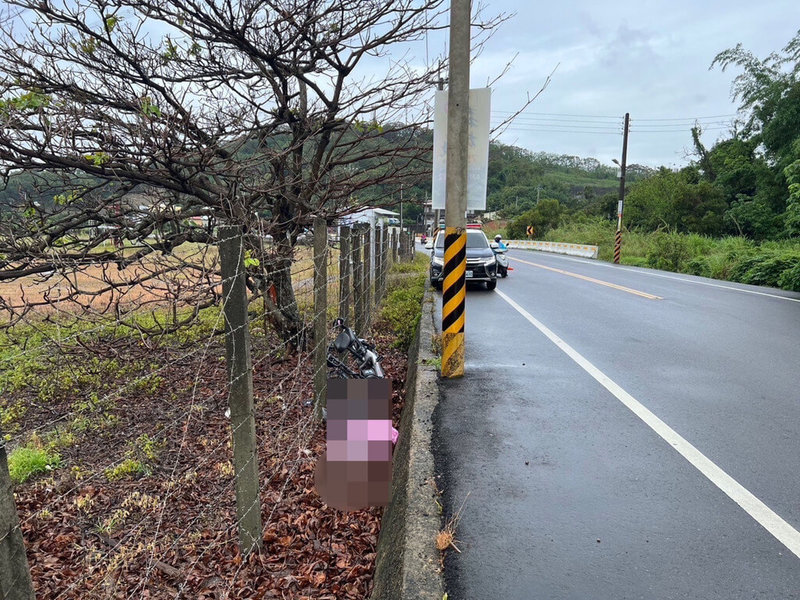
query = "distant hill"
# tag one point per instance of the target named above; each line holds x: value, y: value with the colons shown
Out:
x: 518, y: 178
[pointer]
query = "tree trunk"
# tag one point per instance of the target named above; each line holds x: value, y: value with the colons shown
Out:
x: 287, y: 321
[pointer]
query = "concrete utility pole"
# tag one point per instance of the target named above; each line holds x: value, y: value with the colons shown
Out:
x: 437, y: 216
x: 455, y: 244
x: 620, y: 205
x: 15, y: 578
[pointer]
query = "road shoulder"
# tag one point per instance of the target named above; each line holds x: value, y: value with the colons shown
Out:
x: 408, y: 563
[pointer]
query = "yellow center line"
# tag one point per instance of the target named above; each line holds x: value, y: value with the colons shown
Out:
x: 591, y: 279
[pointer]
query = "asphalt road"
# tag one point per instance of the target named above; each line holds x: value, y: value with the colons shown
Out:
x: 610, y: 443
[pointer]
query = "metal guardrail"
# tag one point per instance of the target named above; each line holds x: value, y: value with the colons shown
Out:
x: 583, y: 250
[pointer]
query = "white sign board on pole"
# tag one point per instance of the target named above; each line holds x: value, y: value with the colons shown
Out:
x: 477, y: 155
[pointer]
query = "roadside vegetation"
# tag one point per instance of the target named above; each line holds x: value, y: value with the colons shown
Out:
x: 732, y: 213
x: 117, y: 438
x: 403, y: 305
x: 770, y: 263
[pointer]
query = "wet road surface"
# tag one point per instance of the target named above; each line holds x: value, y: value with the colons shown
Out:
x: 623, y: 433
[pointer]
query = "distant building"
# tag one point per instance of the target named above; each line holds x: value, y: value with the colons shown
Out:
x: 373, y: 216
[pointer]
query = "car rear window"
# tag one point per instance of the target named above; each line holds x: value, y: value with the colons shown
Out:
x: 475, y: 239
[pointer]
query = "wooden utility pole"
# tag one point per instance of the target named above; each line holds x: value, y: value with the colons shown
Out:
x: 240, y: 378
x: 455, y: 242
x: 621, y: 203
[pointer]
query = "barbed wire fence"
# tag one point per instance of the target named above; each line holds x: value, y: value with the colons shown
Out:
x: 155, y: 482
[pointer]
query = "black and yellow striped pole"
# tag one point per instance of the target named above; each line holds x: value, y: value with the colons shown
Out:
x: 621, y: 204
x: 454, y: 295
x: 455, y: 241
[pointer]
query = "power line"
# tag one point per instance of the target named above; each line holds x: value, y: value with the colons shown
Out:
x: 679, y: 130
x: 618, y: 117
x: 557, y: 120
x: 674, y: 123
x: 566, y: 126
x: 509, y: 112
x: 691, y: 118
x: 540, y: 130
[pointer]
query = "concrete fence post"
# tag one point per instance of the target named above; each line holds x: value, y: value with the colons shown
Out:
x: 386, y: 250
x: 240, y: 379
x: 320, y: 315
x: 15, y: 577
x: 368, y: 277
x: 402, y: 246
x: 379, y: 251
x: 345, y: 290
x: 357, y: 243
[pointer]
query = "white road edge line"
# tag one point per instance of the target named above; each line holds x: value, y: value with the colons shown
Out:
x: 759, y: 511
x: 676, y: 278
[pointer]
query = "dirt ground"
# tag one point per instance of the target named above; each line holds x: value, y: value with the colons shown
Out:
x: 170, y: 532
x: 98, y: 289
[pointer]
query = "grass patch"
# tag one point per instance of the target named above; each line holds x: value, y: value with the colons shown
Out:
x: 433, y: 362
x: 773, y: 263
x: 402, y: 307
x: 25, y: 462
x: 140, y: 457
x: 130, y: 468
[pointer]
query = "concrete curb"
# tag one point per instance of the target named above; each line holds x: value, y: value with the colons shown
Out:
x: 408, y: 563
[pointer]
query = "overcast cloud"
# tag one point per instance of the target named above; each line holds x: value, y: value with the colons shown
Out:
x: 648, y: 58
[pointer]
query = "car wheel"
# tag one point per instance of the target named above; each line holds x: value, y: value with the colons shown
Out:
x: 490, y: 285
x: 437, y: 285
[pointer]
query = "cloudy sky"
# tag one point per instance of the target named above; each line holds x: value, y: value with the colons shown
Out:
x: 648, y: 58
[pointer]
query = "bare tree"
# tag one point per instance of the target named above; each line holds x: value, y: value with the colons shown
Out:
x: 259, y: 112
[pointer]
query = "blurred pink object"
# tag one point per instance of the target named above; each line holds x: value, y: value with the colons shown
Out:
x: 395, y: 435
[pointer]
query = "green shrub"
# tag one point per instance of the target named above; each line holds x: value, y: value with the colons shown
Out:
x: 699, y: 265
x: 25, y: 462
x: 633, y: 261
x: 403, y: 305
x: 669, y: 252
x: 766, y: 268
x: 790, y: 278
x: 699, y: 245
x: 596, y: 232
